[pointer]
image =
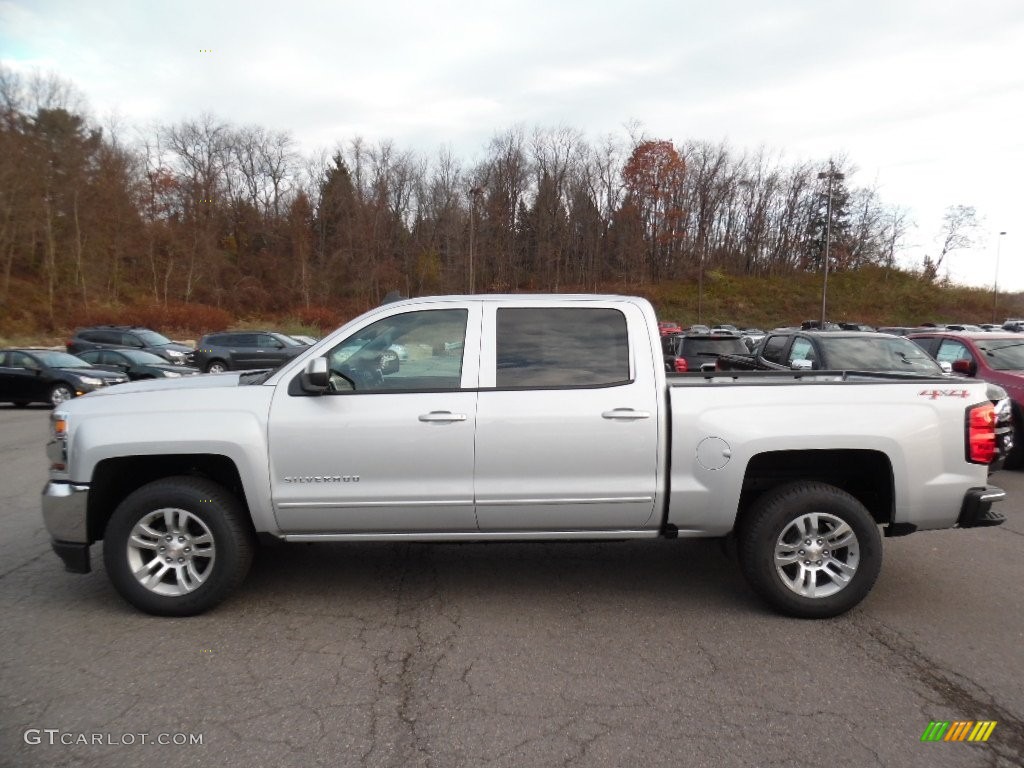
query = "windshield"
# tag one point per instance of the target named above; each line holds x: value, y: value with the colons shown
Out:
x: 1004, y: 354
x: 875, y: 353
x: 61, y: 360
x: 152, y: 338
x: 140, y: 357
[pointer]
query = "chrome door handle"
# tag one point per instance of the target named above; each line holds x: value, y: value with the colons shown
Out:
x: 627, y: 414
x: 443, y: 416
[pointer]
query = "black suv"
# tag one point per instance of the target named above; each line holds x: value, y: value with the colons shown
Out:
x: 243, y: 350
x: 697, y: 351
x: 132, y: 337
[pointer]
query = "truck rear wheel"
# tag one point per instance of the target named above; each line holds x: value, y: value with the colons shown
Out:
x: 177, y: 546
x: 810, y: 550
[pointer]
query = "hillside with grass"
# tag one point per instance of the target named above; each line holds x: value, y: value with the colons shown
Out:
x: 872, y: 295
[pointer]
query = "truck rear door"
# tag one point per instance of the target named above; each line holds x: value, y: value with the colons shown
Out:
x: 567, y: 417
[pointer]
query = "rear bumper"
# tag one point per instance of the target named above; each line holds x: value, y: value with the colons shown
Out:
x: 977, y: 512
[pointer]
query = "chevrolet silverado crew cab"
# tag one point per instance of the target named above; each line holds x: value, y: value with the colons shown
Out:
x: 513, y: 418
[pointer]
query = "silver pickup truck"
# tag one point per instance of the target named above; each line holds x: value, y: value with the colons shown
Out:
x: 513, y: 418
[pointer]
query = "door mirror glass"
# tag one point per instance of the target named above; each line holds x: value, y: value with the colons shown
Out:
x: 801, y: 365
x: 946, y: 366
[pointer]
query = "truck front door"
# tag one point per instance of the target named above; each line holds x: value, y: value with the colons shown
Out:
x: 383, y: 452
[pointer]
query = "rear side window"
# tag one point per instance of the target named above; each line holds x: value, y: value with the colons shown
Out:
x: 240, y: 340
x: 561, y: 347
x: 773, y: 349
x: 101, y: 337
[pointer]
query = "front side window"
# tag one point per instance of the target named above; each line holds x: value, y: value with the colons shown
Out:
x: 413, y: 351
x: 266, y: 341
x: 802, y: 349
x: 561, y: 347
x: 951, y: 351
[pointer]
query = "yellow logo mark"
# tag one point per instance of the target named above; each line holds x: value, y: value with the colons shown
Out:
x: 206, y: 50
x: 958, y: 730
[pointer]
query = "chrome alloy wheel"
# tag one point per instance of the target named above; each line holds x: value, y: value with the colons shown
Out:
x: 816, y: 555
x: 171, y: 552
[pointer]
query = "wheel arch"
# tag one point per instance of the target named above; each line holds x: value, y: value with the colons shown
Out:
x: 867, y: 475
x: 115, y: 478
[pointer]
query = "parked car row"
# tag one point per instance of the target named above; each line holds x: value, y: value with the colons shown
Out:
x: 105, y: 355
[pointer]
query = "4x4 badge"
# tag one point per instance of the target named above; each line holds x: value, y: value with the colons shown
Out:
x: 937, y: 393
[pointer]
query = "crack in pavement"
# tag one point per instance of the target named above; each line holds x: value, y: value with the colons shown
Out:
x: 958, y: 692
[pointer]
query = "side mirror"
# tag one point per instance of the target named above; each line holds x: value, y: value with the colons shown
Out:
x: 316, y: 378
x: 801, y: 365
x: 946, y: 366
x: 966, y: 367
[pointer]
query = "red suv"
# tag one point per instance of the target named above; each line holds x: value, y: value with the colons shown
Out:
x: 997, y: 358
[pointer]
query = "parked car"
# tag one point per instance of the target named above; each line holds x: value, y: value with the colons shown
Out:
x: 997, y: 358
x: 132, y: 337
x: 697, y: 351
x: 527, y: 418
x: 136, y: 363
x: 243, y: 350
x: 1012, y: 324
x: 48, y: 376
x: 666, y: 328
x: 990, y: 327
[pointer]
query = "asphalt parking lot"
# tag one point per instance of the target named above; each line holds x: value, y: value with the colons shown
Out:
x: 647, y: 654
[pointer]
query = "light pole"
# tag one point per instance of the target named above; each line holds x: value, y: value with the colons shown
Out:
x: 995, y: 283
x: 832, y: 175
x: 474, y: 193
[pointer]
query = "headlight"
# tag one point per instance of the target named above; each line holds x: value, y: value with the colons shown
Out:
x: 175, y: 353
x: 91, y: 381
x: 172, y: 375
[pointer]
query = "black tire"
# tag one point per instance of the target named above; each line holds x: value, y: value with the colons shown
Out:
x: 212, y: 512
x: 780, y: 512
x: 60, y: 393
x: 216, y: 366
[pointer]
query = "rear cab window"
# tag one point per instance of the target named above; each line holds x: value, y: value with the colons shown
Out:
x: 555, y: 347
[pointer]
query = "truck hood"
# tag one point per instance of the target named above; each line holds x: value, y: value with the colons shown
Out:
x: 203, y: 381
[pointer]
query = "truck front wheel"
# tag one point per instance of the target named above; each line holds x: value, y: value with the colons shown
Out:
x: 810, y: 549
x: 177, y: 546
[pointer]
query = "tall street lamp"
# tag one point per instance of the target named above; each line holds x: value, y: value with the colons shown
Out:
x: 833, y: 176
x: 995, y: 283
x: 474, y: 193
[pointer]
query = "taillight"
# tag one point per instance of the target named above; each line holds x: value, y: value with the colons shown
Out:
x: 981, y: 433
x: 681, y: 366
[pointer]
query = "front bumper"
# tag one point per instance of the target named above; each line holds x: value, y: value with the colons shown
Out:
x: 65, y: 516
x: 977, y: 512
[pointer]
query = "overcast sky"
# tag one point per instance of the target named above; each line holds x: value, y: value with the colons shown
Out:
x: 925, y: 97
